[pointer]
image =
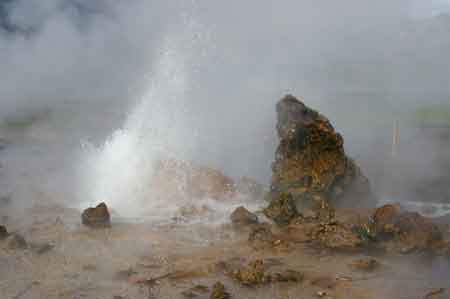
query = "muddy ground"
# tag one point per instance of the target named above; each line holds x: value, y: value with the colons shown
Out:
x: 122, y: 261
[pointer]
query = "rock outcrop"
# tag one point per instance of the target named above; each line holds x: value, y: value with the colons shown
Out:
x: 242, y: 216
x: 97, y: 217
x: 408, y: 231
x: 282, y: 209
x: 310, y: 162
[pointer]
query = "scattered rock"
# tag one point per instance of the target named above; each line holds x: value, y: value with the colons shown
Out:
x: 310, y: 161
x: 3, y: 232
x: 365, y: 264
x: 337, y: 236
x: 253, y: 274
x: 17, y: 241
x: 97, y: 217
x: 282, y: 209
x: 261, y: 237
x: 219, y: 292
x: 241, y: 216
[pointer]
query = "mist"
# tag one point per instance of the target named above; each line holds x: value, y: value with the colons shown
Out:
x: 199, y: 81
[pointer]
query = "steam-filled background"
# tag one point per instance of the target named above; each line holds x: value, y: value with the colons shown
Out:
x: 93, y: 92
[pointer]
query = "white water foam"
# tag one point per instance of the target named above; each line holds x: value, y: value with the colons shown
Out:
x: 119, y: 172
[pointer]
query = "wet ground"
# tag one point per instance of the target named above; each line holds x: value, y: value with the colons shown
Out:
x: 121, y: 262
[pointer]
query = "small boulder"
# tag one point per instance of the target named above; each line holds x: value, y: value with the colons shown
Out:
x: 253, y: 274
x: 219, y: 292
x: 3, y: 232
x: 241, y: 216
x: 282, y: 209
x: 17, y: 241
x: 97, y: 217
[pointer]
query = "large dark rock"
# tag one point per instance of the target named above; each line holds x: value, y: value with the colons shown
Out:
x: 242, y: 216
x: 97, y: 217
x: 310, y: 162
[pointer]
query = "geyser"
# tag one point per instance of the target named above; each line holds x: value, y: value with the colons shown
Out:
x: 156, y: 128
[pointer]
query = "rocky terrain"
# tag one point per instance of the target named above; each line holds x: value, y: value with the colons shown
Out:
x: 319, y: 235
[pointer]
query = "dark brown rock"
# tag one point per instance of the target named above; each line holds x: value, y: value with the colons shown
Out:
x: 253, y: 274
x: 415, y: 232
x: 219, y: 292
x: 97, y: 217
x: 310, y: 162
x: 282, y: 209
x: 3, y: 232
x: 241, y: 216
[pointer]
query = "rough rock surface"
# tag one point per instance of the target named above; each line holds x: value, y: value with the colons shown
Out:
x: 310, y: 161
x: 219, y: 292
x: 241, y: 216
x: 282, y: 209
x: 97, y: 217
x: 253, y: 274
x: 3, y: 232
